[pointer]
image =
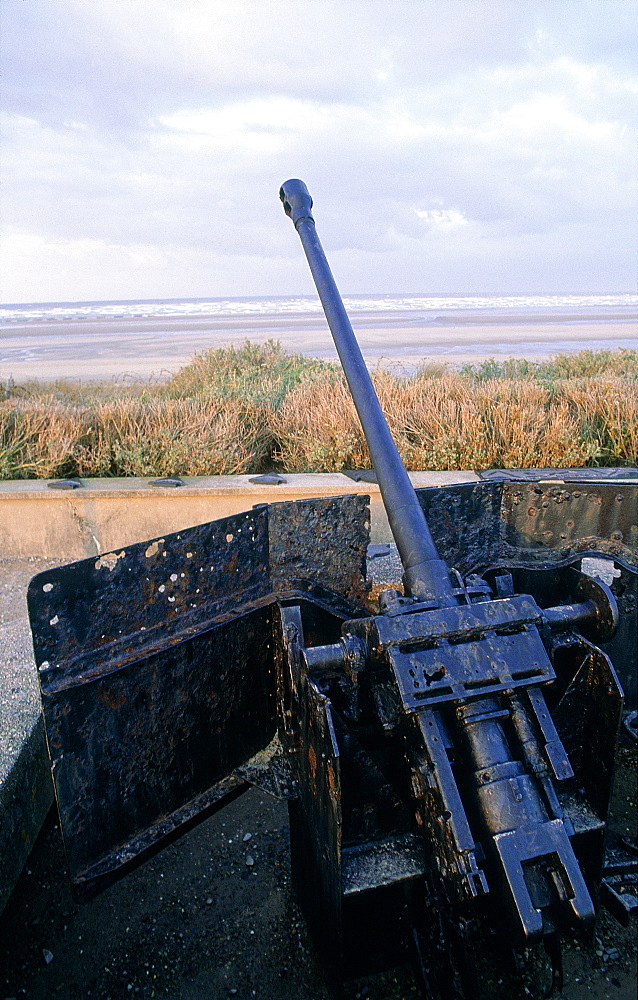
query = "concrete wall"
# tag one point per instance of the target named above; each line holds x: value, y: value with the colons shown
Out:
x: 106, y: 514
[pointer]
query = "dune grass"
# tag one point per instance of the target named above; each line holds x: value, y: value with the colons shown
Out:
x: 254, y: 407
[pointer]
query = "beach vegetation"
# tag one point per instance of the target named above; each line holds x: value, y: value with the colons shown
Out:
x: 254, y: 407
x: 261, y: 374
x: 581, y: 364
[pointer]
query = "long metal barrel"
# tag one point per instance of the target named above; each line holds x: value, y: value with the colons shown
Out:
x: 425, y: 576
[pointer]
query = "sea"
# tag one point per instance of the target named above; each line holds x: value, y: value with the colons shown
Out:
x: 431, y: 308
x: 53, y: 339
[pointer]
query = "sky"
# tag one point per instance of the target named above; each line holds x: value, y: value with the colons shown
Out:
x: 450, y: 146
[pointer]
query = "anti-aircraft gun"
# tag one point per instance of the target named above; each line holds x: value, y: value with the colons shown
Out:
x: 447, y: 755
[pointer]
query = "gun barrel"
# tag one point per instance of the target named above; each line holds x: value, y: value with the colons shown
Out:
x: 425, y: 576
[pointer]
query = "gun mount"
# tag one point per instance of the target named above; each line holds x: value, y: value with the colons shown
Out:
x: 447, y: 756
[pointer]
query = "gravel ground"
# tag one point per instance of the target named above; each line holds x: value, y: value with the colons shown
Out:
x: 200, y: 921
x: 214, y: 916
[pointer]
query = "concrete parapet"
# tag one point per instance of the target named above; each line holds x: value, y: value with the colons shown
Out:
x: 106, y: 514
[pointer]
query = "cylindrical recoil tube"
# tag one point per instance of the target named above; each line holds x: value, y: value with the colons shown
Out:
x: 426, y: 577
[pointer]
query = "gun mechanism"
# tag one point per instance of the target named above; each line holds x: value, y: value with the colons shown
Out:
x: 447, y: 753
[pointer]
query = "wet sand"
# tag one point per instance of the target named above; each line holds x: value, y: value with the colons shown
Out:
x: 154, y: 348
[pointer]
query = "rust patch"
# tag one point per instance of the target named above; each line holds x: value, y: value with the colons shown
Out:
x: 108, y: 697
x: 312, y: 758
x: 332, y: 781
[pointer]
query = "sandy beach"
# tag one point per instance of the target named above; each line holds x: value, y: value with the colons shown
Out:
x: 143, y: 348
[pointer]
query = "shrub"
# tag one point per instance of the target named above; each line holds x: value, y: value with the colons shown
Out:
x: 246, y: 409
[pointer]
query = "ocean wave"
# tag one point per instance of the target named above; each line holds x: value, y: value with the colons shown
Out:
x: 426, y: 307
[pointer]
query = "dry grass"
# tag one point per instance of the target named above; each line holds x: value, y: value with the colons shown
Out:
x: 450, y: 423
x: 36, y: 440
x: 40, y: 439
x: 246, y: 409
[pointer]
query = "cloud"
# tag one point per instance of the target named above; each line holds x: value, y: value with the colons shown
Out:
x: 445, y: 219
x: 493, y: 141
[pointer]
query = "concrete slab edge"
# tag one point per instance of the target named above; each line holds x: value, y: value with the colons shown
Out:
x: 26, y: 795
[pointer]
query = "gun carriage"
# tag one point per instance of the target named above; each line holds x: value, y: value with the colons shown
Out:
x: 447, y: 755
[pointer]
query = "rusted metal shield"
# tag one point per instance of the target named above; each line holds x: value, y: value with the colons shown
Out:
x: 156, y: 666
x: 540, y: 529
